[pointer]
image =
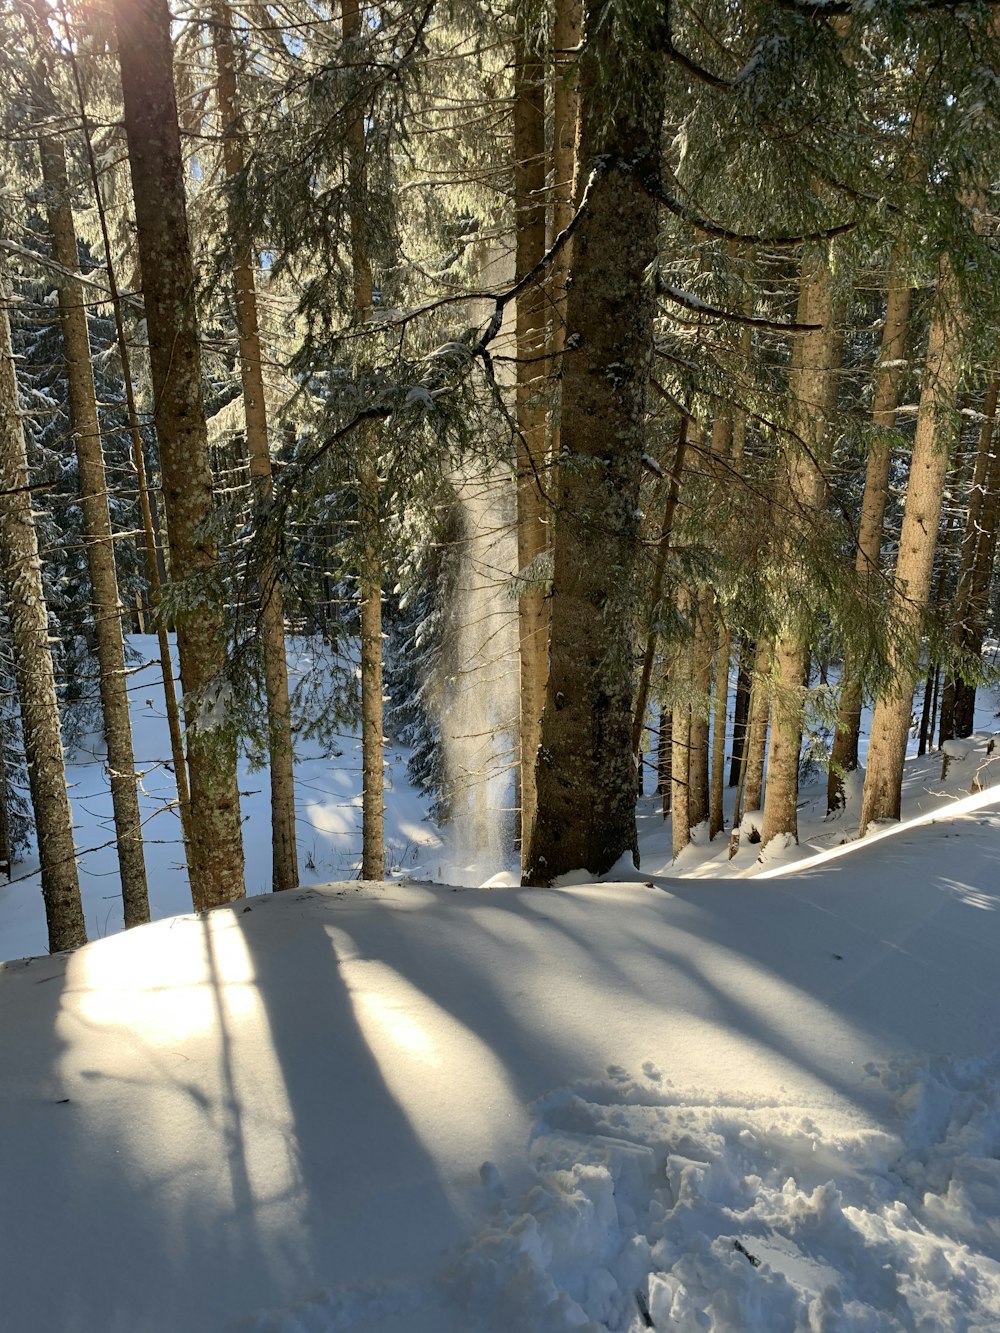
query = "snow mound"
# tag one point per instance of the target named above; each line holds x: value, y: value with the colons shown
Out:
x: 651, y: 1210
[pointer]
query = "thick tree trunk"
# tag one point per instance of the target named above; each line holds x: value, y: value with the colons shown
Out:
x: 107, y: 610
x: 284, y: 851
x: 156, y: 166
x: 888, y: 373
x: 804, y: 492
x: 21, y: 574
x: 585, y: 778
x: 530, y: 395
x: 918, y: 538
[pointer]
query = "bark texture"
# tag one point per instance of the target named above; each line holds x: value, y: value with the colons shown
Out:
x: 530, y: 394
x: 281, y: 766
x: 157, y: 171
x: 804, y: 494
x: 21, y: 574
x: 370, y: 564
x: 888, y: 372
x: 585, y: 777
x: 106, y: 609
x: 917, y: 542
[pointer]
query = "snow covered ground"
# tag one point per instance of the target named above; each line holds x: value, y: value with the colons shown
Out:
x: 700, y: 1103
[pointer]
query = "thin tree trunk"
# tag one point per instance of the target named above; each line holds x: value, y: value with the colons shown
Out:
x: 156, y: 166
x: 372, y: 744
x: 888, y: 374
x: 927, y: 710
x: 703, y: 608
x: 585, y: 778
x: 967, y: 593
x: 918, y: 539
x: 107, y: 610
x: 805, y: 490
x: 6, y: 840
x: 664, y: 758
x: 284, y: 851
x: 741, y: 710
x: 21, y: 573
x: 656, y: 590
x: 680, y: 748
x: 716, y: 817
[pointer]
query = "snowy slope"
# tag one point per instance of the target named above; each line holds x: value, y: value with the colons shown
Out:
x: 739, y: 1105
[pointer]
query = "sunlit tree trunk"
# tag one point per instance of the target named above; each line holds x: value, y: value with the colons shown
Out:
x: 21, y: 575
x: 888, y: 373
x: 585, y: 777
x: 917, y: 542
x: 284, y: 852
x: 156, y: 166
x: 804, y: 494
x: 107, y: 612
x: 530, y: 393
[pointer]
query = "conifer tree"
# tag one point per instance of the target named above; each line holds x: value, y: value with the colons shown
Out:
x: 155, y: 164
x: 586, y: 784
x: 20, y: 573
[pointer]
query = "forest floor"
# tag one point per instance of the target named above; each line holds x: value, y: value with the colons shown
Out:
x: 768, y: 1102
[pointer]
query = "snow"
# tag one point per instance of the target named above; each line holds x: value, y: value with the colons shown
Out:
x: 763, y: 1102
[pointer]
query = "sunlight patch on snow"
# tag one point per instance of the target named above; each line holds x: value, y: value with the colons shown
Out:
x: 965, y: 805
x: 167, y: 995
x: 421, y: 1050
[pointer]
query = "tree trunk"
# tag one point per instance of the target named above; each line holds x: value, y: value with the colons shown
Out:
x: 918, y: 538
x: 370, y: 572
x: 530, y: 396
x: 716, y: 817
x: 21, y: 573
x: 585, y: 778
x: 741, y: 710
x: 972, y: 590
x: 760, y: 707
x: 284, y: 851
x: 664, y: 758
x: 156, y: 166
x: 107, y: 610
x: 656, y: 589
x: 805, y: 491
x: 6, y: 839
x: 888, y: 373
x: 703, y: 609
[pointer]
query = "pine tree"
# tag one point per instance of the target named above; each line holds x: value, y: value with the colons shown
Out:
x: 155, y: 164
x: 20, y: 572
x: 586, y: 784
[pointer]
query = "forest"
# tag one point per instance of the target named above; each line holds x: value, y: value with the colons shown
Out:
x: 544, y: 365
x: 499, y: 501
